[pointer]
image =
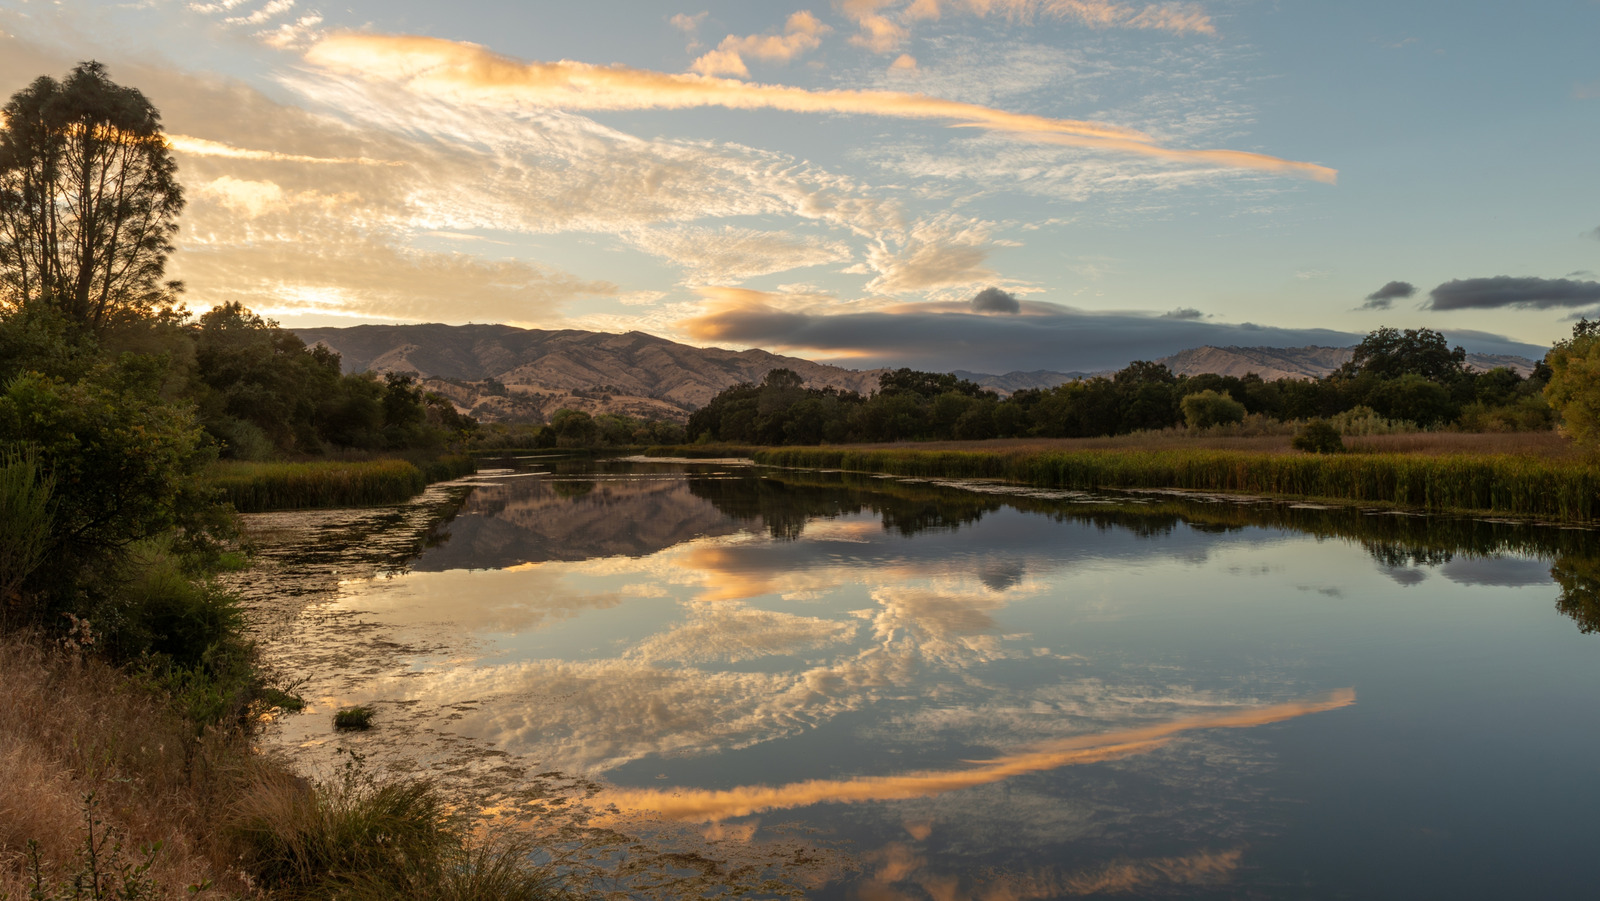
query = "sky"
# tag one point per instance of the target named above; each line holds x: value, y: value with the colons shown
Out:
x: 989, y: 185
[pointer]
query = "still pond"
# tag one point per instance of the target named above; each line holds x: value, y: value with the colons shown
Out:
x: 886, y: 688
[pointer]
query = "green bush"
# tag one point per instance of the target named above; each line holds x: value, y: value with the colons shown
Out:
x: 1209, y: 408
x: 1318, y: 437
x: 26, y: 518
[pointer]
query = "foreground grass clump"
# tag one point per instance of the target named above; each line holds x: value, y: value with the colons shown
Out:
x: 358, y: 838
x: 89, y: 755
x: 358, y: 717
x: 1567, y: 490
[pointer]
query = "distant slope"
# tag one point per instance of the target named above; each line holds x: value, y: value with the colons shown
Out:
x: 542, y: 371
x: 1299, y: 362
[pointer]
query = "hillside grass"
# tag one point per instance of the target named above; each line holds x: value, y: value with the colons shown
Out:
x: 259, y: 487
x: 1436, y: 473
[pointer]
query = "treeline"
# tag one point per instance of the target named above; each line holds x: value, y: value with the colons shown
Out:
x: 578, y: 429
x: 1410, y: 377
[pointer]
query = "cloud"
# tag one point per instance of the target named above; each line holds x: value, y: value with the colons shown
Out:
x: 942, y: 337
x: 185, y: 144
x: 463, y: 73
x: 994, y: 300
x: 712, y: 805
x: 883, y: 24
x: 1186, y: 313
x: 801, y: 34
x: 731, y: 255
x: 1593, y: 233
x: 688, y: 24
x: 1382, y: 298
x: 1508, y: 291
x: 878, y: 32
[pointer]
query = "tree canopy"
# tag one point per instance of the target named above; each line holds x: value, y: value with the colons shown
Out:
x: 89, y: 199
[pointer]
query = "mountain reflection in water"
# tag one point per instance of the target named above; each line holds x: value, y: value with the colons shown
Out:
x: 1023, y: 693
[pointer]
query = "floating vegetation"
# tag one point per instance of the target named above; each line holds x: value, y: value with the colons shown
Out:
x: 357, y: 717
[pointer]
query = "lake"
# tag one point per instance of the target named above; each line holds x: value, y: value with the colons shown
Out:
x: 885, y: 688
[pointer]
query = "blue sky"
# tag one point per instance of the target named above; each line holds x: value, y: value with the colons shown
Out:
x: 839, y: 179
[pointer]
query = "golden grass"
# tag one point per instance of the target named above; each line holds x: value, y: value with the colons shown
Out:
x: 1545, y: 445
x: 1542, y: 486
x: 71, y: 728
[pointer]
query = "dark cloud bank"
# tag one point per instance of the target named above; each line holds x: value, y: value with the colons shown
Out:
x: 1509, y: 291
x: 1046, y: 336
x: 994, y: 300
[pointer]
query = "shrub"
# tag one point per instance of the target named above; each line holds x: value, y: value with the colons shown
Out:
x: 1209, y: 408
x: 1318, y: 437
x: 25, y: 518
x: 1363, y: 421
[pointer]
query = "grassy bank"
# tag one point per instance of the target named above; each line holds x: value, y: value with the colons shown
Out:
x: 256, y: 487
x: 112, y: 793
x: 1566, y: 490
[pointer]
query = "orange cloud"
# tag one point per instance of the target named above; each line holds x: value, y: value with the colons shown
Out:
x: 462, y: 72
x: 711, y: 806
x: 203, y: 147
x: 801, y: 34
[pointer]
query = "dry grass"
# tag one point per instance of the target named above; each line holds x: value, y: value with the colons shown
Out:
x: 73, y: 728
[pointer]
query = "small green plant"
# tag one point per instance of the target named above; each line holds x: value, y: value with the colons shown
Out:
x: 357, y: 717
x: 104, y: 871
x: 1318, y: 437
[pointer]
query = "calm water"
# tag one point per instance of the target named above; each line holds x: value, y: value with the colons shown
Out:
x: 982, y: 695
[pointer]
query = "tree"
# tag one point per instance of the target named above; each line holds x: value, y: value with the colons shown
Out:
x: 1388, y: 353
x: 1207, y: 408
x: 89, y: 199
x: 1574, y: 386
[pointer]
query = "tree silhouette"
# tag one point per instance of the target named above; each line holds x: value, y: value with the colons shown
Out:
x: 89, y: 199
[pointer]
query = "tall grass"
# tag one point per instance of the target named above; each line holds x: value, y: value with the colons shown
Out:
x: 357, y: 838
x: 1507, y: 485
x: 255, y: 487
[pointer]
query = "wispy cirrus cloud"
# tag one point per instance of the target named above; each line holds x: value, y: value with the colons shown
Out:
x: 468, y: 73
x: 883, y: 26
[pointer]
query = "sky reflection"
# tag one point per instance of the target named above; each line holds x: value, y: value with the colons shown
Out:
x: 1075, y: 696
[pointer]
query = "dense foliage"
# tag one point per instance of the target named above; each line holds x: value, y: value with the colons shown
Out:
x: 1409, y: 376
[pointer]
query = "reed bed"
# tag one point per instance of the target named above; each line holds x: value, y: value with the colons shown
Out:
x: 257, y: 487
x: 1566, y: 490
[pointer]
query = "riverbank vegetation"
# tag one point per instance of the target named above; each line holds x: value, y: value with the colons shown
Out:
x: 133, y: 692
x: 1395, y: 382
x: 1565, y: 490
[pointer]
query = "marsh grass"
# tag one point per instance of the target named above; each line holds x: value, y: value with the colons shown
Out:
x: 1551, y: 488
x: 358, y: 717
x: 258, y: 487
x: 358, y: 838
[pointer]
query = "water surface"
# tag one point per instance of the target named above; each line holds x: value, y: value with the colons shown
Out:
x: 995, y: 693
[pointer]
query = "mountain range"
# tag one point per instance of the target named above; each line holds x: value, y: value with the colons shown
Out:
x: 504, y: 373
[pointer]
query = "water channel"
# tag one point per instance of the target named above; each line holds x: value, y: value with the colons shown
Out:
x: 861, y: 687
